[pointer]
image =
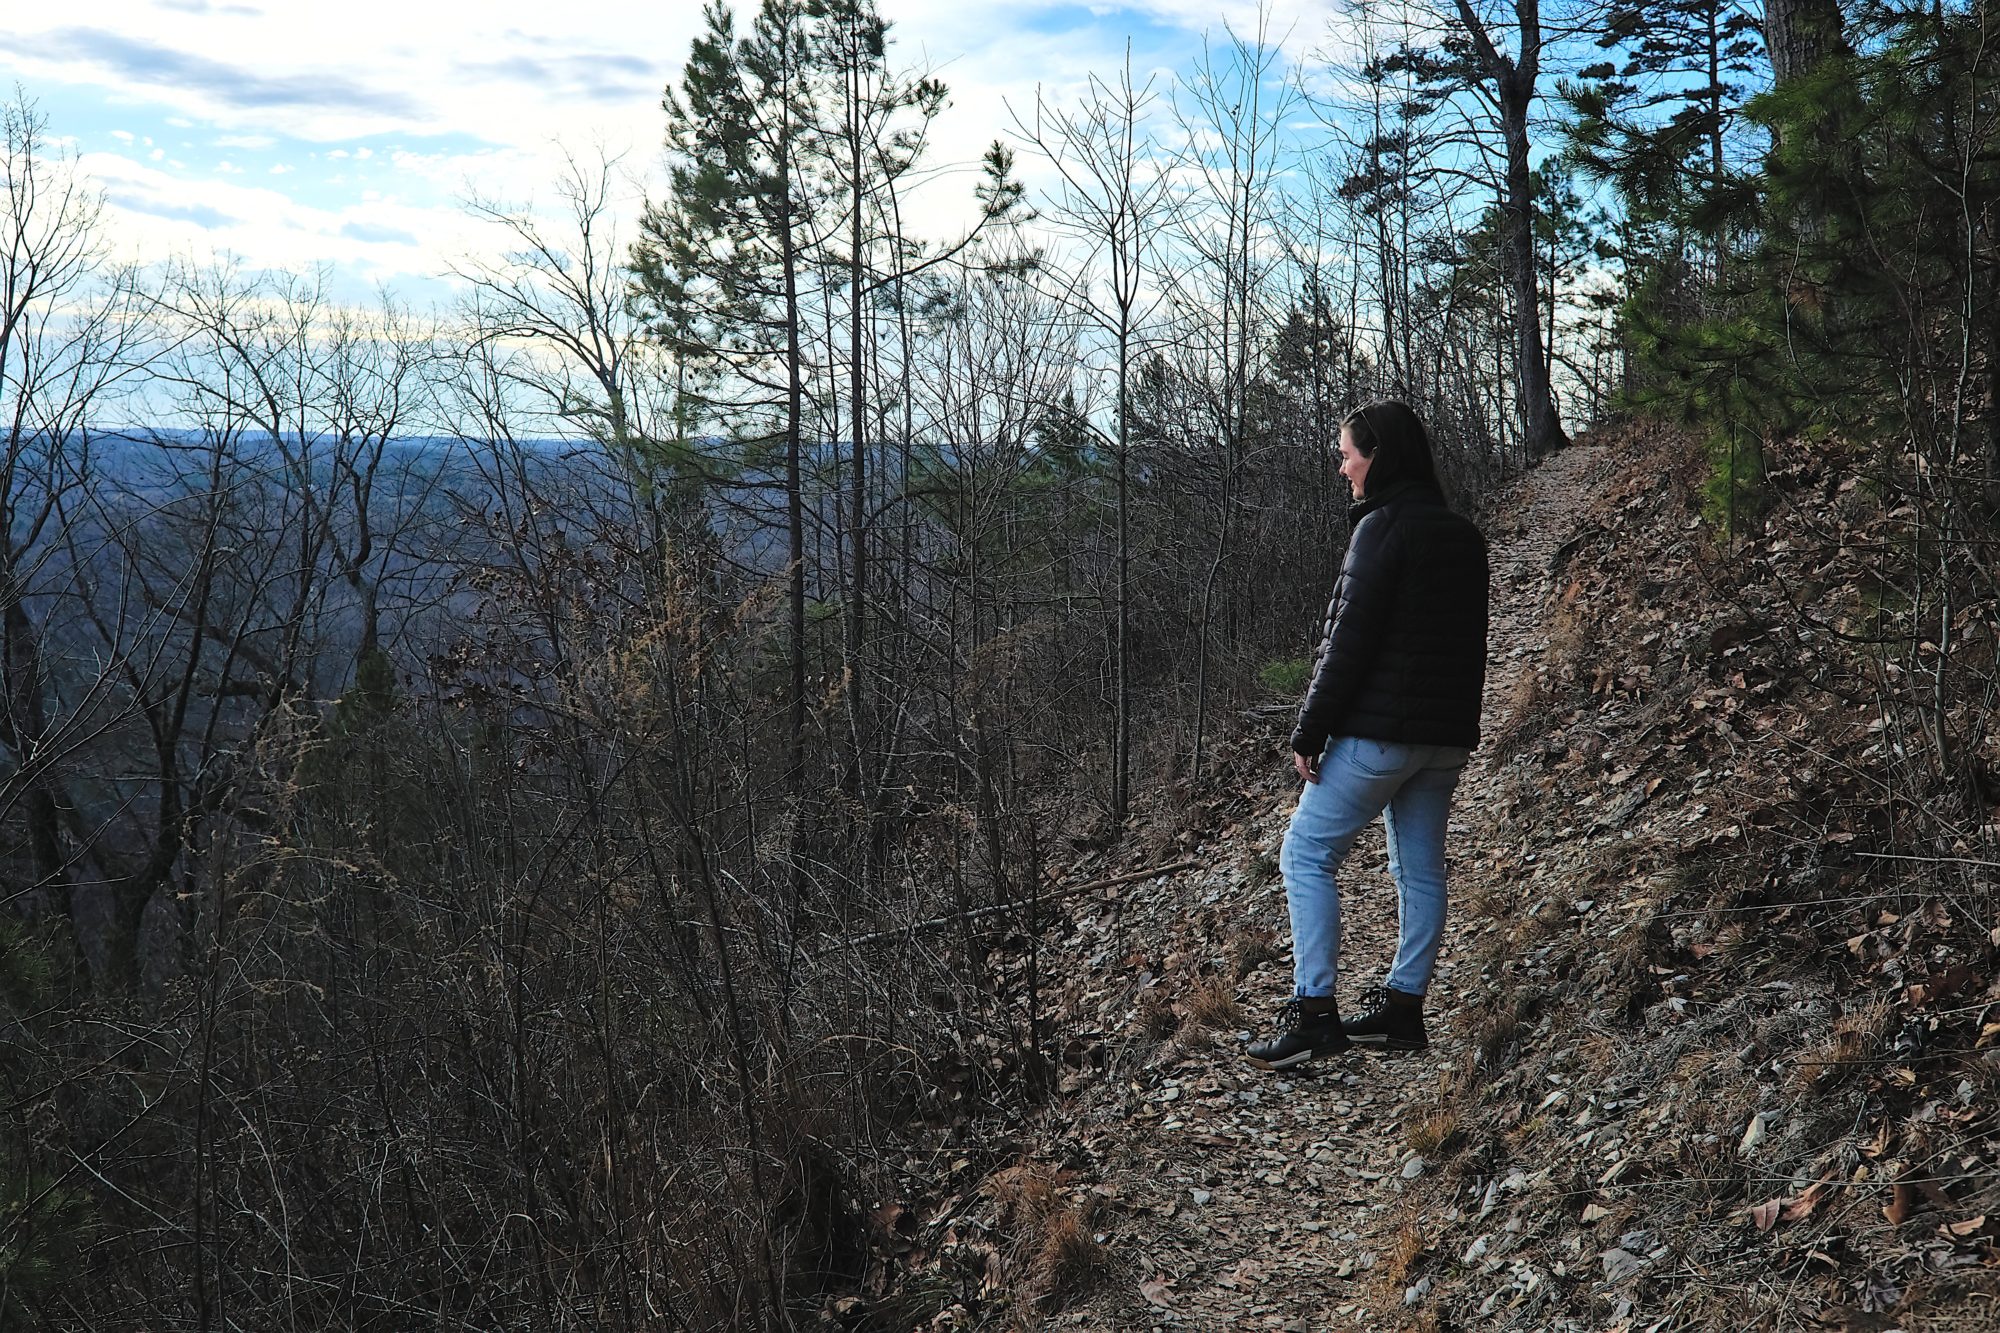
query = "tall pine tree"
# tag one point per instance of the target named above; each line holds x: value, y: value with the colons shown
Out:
x: 721, y: 260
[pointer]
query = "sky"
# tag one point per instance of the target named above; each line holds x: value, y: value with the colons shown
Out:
x: 295, y: 133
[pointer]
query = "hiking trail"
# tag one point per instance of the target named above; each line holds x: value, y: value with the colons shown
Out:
x: 1234, y: 1198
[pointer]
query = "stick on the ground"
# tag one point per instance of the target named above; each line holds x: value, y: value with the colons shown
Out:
x: 1931, y: 860
x: 1069, y: 891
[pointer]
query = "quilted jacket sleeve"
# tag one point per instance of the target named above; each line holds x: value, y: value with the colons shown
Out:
x: 1363, y: 598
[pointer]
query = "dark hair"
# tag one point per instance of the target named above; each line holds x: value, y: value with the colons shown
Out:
x: 1392, y: 438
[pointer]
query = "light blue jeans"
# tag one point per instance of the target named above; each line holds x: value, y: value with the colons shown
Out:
x: 1410, y: 786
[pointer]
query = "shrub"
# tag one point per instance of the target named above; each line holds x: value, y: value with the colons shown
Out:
x: 1285, y: 676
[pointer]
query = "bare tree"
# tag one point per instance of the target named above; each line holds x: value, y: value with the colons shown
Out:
x: 1233, y: 111
x: 71, y: 336
x: 1111, y: 199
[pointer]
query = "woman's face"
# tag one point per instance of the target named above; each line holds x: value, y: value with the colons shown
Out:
x: 1353, y: 463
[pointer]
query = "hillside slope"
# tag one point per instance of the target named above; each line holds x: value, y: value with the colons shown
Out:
x: 1735, y: 1043
x: 1706, y: 1052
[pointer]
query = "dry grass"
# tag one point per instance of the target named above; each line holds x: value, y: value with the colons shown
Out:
x: 1406, y: 1249
x: 1435, y: 1134
x: 1495, y: 1039
x: 1026, y: 1194
x: 1211, y: 1006
x: 1251, y: 949
x: 1065, y: 1256
x: 1853, y: 1041
x: 1155, y: 1013
x: 1053, y: 1248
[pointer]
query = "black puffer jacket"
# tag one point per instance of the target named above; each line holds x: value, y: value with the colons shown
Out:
x: 1403, y: 653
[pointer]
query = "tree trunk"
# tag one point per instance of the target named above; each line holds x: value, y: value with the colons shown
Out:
x: 23, y: 729
x: 857, y: 609
x: 1121, y: 758
x: 795, y: 519
x: 1514, y: 83
x: 1799, y: 34
x: 1992, y: 366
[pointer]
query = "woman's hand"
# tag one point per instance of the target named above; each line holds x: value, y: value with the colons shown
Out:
x: 1308, y: 768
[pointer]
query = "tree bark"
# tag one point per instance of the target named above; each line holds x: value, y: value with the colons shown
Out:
x: 1514, y: 83
x: 857, y: 397
x: 1799, y: 34
x: 795, y: 518
x: 23, y: 730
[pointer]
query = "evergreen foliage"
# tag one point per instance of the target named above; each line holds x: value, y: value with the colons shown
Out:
x: 1857, y: 272
x: 1665, y: 121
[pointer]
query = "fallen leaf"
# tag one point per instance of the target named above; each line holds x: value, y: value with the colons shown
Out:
x: 1960, y: 1230
x: 1158, y: 1290
x: 1936, y: 1194
x: 1901, y: 1200
x: 1803, y: 1205
x: 1620, y: 1264
x: 1879, y: 1145
x: 1765, y: 1214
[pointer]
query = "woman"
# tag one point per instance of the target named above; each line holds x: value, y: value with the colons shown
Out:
x: 1388, y: 721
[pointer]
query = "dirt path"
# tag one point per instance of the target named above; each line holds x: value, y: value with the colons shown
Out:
x: 1232, y: 1198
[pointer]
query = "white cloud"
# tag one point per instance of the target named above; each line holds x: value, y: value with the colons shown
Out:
x: 161, y: 213
x: 514, y: 81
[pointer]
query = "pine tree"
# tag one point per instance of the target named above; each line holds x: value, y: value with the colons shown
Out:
x: 720, y: 263
x: 1802, y: 35
x: 871, y: 152
x: 1664, y: 123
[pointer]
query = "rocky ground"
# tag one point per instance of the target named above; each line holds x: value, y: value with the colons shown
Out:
x: 1230, y: 1197
x: 1710, y: 1046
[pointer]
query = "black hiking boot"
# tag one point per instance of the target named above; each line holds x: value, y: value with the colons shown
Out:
x: 1393, y: 1021
x: 1306, y: 1034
